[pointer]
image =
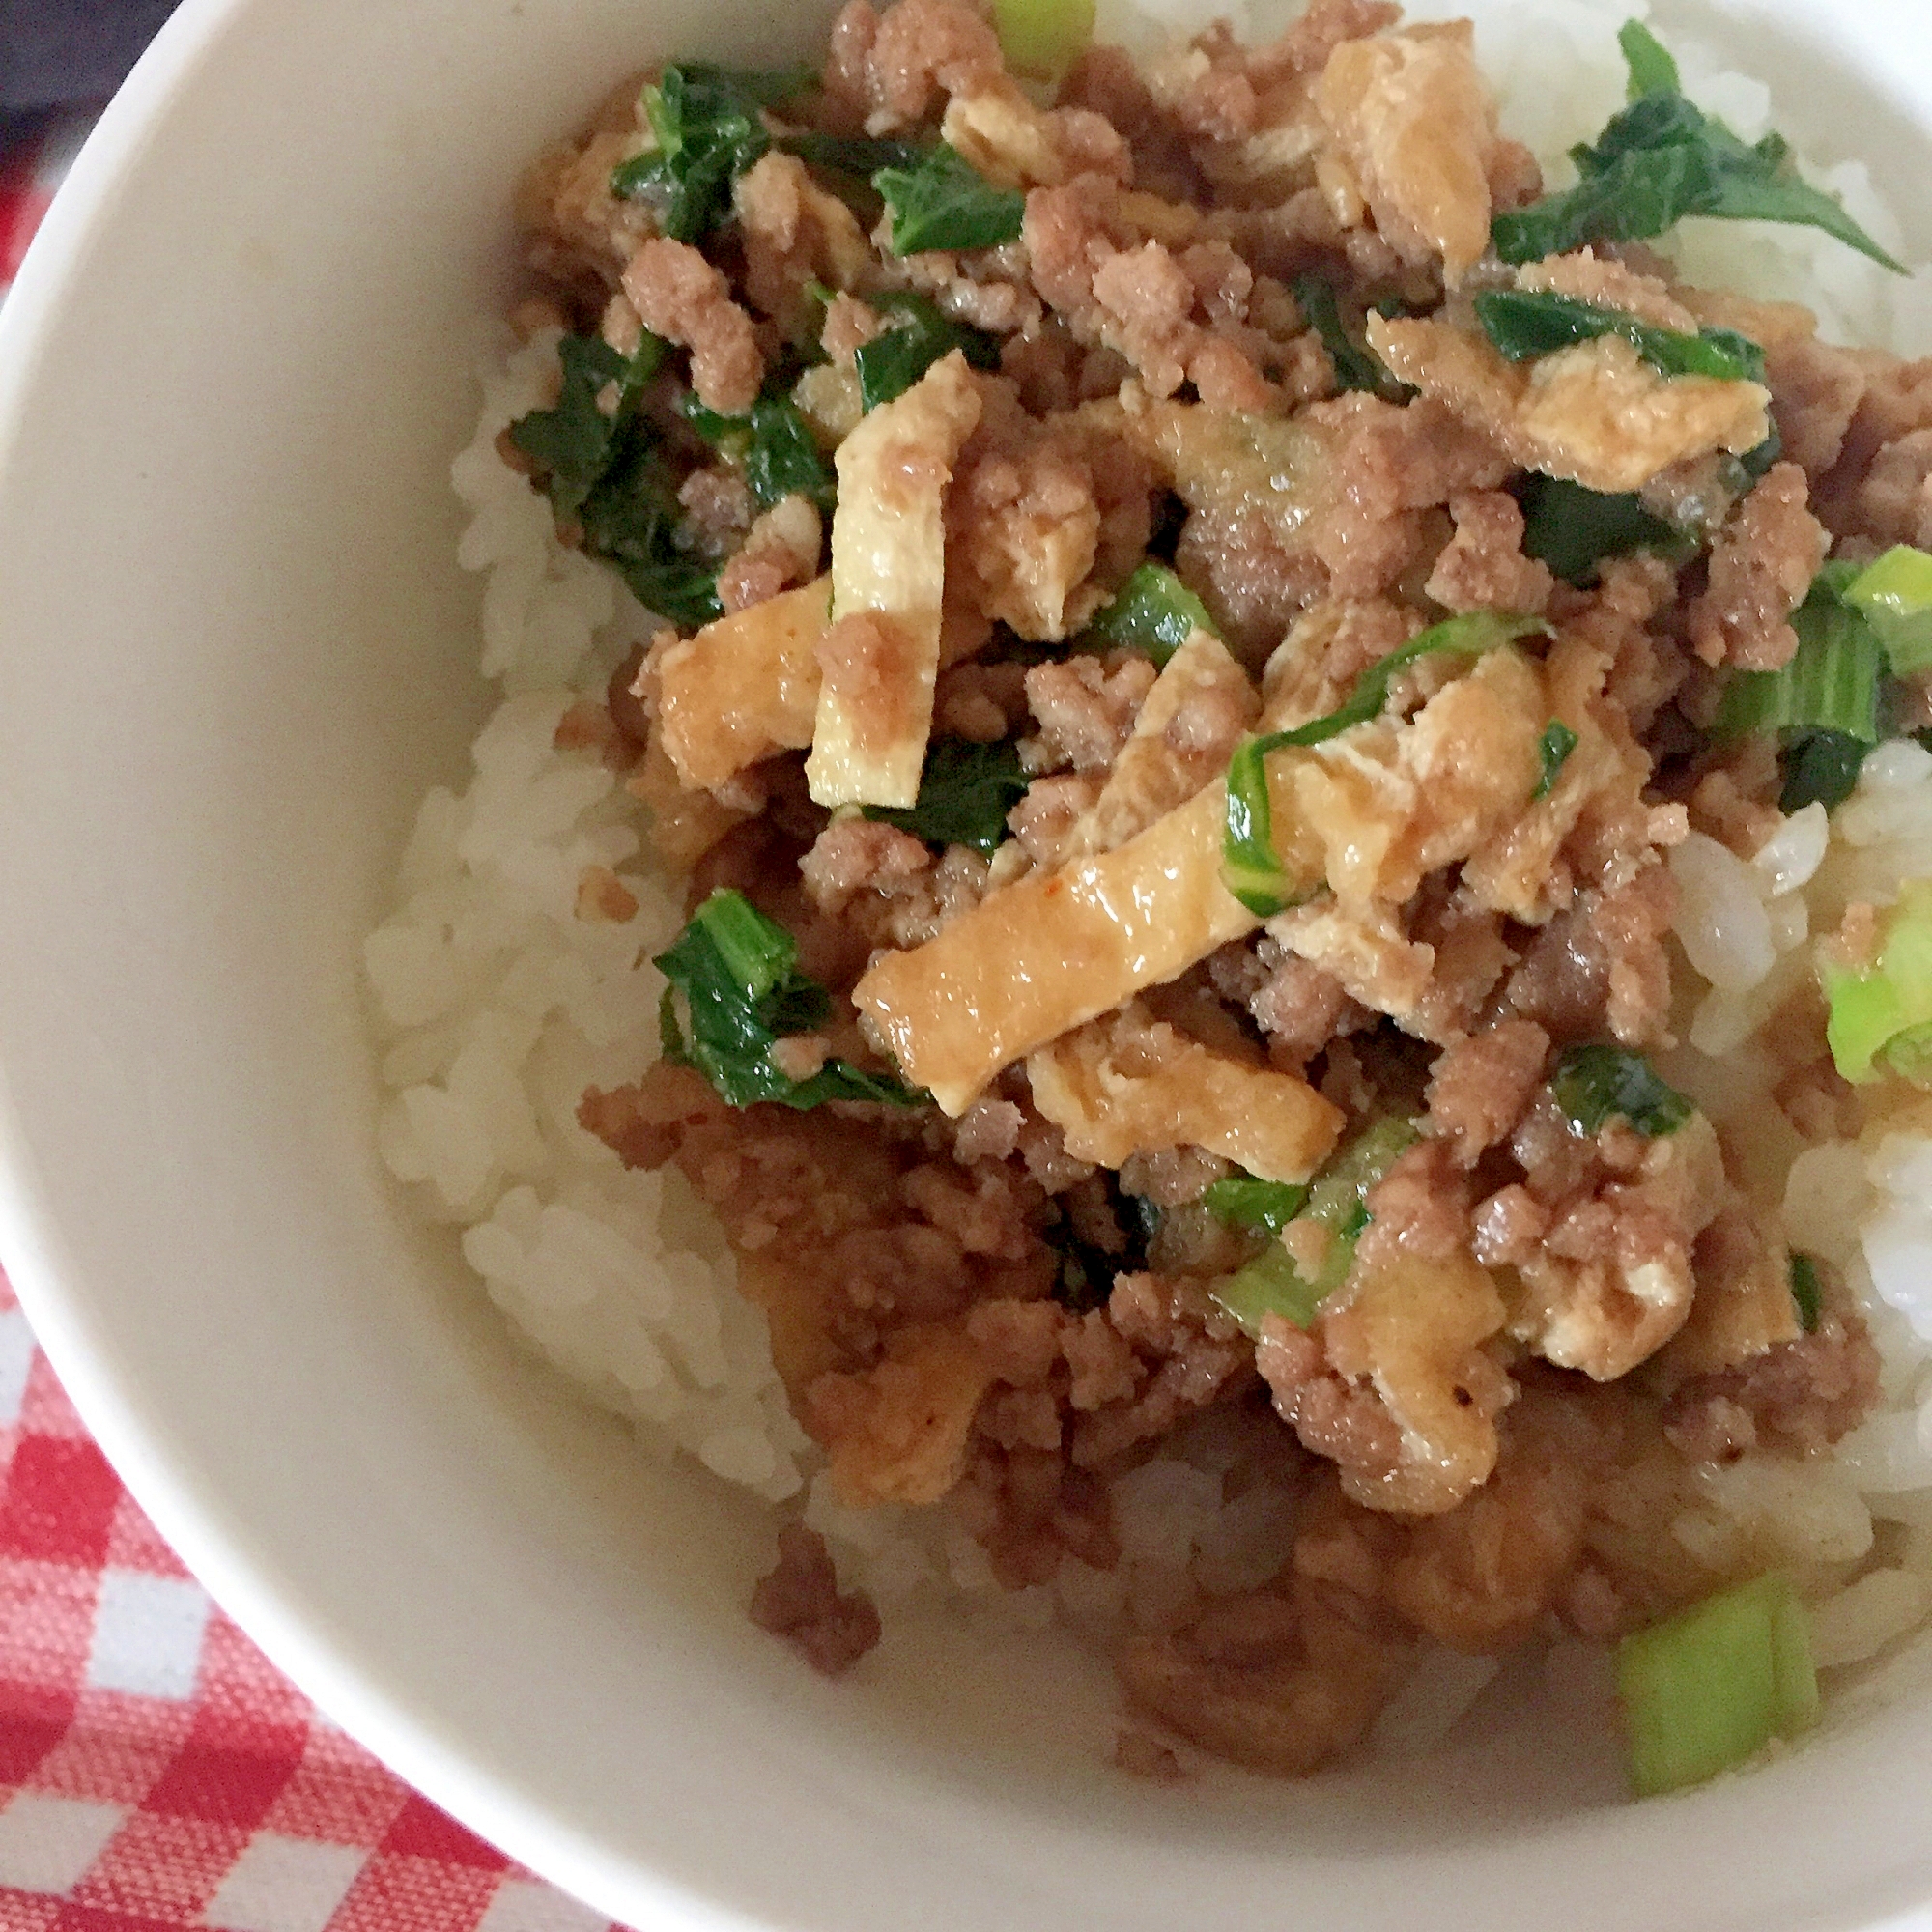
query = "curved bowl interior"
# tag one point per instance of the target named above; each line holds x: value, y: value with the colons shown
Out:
x: 234, y: 648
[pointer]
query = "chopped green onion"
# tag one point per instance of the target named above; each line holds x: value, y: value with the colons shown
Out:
x: 1268, y: 1285
x: 1272, y: 1284
x: 916, y: 335
x: 737, y: 970
x: 1552, y: 750
x: 1251, y: 868
x: 1591, y: 1083
x: 1708, y: 1689
x: 965, y: 793
x: 1525, y: 324
x: 1807, y: 1293
x: 1241, y: 1201
x: 1041, y: 39
x: 1895, y: 597
x: 1573, y: 529
x: 945, y: 202
x: 1662, y: 159
x: 1153, y: 612
x: 1819, y: 767
x: 1831, y: 683
x: 1651, y: 70
x: 1884, y: 1011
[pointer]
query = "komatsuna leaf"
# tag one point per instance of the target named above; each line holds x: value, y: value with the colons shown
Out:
x: 945, y: 202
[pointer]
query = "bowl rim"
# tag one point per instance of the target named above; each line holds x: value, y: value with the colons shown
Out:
x: 190, y: 1513
x: 191, y: 1517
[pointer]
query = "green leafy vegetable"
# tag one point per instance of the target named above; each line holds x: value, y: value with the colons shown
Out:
x: 945, y: 202
x: 1241, y: 1201
x: 1893, y: 594
x: 1573, y: 529
x: 1808, y: 1293
x: 1042, y: 38
x: 605, y: 476
x: 1819, y: 767
x: 1711, y: 1686
x: 575, y: 442
x: 1251, y: 868
x: 1088, y: 1266
x: 1272, y: 1284
x: 915, y: 337
x: 709, y: 130
x: 776, y: 448
x: 1523, y: 324
x: 738, y: 972
x: 1553, y: 750
x: 1591, y: 1083
x: 1662, y: 159
x: 854, y: 154
x: 1831, y: 684
x: 632, y: 518
x: 965, y: 793
x: 1651, y: 70
x: 1356, y: 365
x: 1881, y: 1014
x: 1153, y: 612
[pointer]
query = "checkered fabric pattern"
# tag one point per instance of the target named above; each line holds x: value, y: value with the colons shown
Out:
x: 156, y: 1770
x: 31, y: 168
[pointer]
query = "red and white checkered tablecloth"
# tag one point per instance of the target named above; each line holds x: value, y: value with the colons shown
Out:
x: 157, y: 1771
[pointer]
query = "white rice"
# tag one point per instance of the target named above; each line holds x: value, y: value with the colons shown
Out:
x: 498, y: 1005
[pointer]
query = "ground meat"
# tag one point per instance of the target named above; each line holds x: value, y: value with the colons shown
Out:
x: 1390, y: 466
x: 779, y: 549
x: 679, y: 296
x: 1281, y: 1682
x: 1483, y: 567
x: 1299, y: 1006
x: 1086, y: 707
x: 1480, y: 1086
x: 800, y: 1602
x: 1421, y: 1205
x: 1815, y: 390
x: 884, y: 69
x: 1761, y: 566
x: 1797, y: 1397
x: 1045, y: 819
x: 1602, y: 967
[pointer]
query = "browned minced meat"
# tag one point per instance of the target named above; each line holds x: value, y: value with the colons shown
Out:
x: 1535, y: 1342
x: 800, y: 1601
x: 679, y: 296
x: 1479, y: 1087
x: 1799, y: 1396
x: 1483, y: 567
x: 1761, y: 566
x: 1086, y: 708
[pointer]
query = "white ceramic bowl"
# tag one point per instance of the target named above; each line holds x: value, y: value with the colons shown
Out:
x: 234, y: 648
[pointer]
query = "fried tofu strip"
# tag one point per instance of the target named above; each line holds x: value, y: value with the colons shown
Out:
x: 1368, y: 811
x: 1595, y: 413
x: 1183, y: 735
x: 878, y: 661
x: 1131, y: 1084
x: 1055, y: 949
x: 744, y: 687
x: 1413, y: 116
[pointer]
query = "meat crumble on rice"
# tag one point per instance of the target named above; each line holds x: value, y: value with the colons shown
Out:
x: 1545, y: 1337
